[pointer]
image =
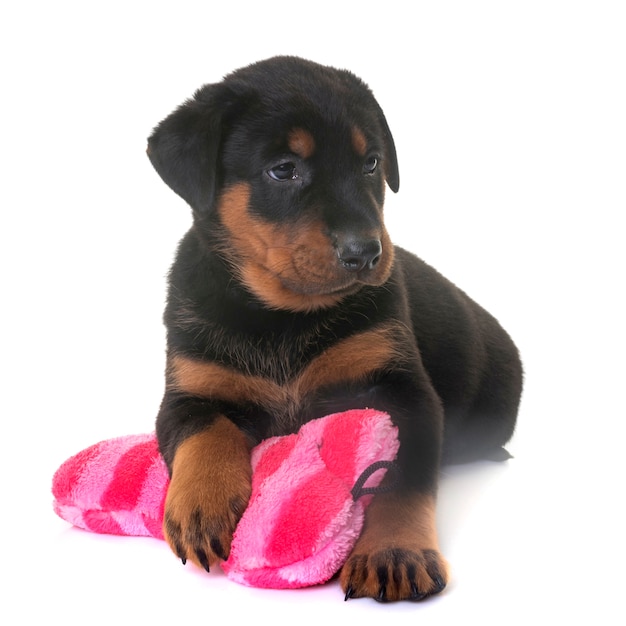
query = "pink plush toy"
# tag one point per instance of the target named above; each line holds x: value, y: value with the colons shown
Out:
x: 309, y: 494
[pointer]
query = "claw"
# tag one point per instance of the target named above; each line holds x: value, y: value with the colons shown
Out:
x: 204, y: 561
x: 183, y: 560
x: 440, y: 585
x: 382, y: 594
x: 415, y: 593
x: 349, y: 593
x: 383, y: 578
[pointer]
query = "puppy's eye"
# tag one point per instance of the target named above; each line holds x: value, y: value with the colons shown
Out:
x: 283, y: 171
x: 370, y: 165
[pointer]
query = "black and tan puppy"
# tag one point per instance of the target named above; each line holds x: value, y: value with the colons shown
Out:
x: 287, y: 302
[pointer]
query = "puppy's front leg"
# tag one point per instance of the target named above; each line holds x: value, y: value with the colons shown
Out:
x: 397, y: 555
x: 208, y: 492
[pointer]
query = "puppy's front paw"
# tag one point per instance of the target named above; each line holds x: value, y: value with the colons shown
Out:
x: 199, y: 525
x: 394, y: 574
x: 207, y: 495
x: 396, y: 556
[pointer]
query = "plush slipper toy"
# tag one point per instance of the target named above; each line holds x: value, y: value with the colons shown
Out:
x: 309, y: 494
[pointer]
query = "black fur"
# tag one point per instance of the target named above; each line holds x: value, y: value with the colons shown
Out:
x: 455, y: 388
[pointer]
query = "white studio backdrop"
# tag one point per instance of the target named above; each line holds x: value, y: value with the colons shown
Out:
x: 510, y: 129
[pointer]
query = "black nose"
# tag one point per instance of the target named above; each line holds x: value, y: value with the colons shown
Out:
x: 356, y: 254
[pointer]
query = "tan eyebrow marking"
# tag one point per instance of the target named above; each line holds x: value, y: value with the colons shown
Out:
x: 301, y: 142
x: 359, y: 142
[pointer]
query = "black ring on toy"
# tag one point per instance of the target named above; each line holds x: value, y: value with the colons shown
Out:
x: 359, y: 490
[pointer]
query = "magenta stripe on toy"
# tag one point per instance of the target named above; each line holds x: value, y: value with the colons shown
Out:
x: 128, y: 477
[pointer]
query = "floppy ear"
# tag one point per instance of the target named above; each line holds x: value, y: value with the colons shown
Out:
x: 367, y: 99
x: 184, y: 148
x: 392, y: 174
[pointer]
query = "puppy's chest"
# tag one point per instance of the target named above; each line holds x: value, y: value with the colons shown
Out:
x: 276, y: 358
x: 282, y: 375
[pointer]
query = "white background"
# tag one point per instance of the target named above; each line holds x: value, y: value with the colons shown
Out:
x: 509, y: 119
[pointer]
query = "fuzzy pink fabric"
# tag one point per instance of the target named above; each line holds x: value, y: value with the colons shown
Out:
x: 302, y: 520
x: 303, y: 517
x: 114, y: 487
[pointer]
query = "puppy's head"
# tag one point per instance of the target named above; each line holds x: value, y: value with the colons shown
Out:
x: 284, y: 164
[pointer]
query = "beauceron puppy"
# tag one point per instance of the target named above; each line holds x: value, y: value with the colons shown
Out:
x: 288, y: 301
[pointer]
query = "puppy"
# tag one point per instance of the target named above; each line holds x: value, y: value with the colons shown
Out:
x: 287, y: 301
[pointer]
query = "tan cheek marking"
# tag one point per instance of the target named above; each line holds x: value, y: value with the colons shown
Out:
x: 301, y: 142
x: 267, y: 246
x: 266, y: 254
x: 249, y: 236
x: 256, y: 245
x: 359, y: 142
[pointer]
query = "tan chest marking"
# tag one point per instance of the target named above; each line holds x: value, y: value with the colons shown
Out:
x: 351, y: 360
